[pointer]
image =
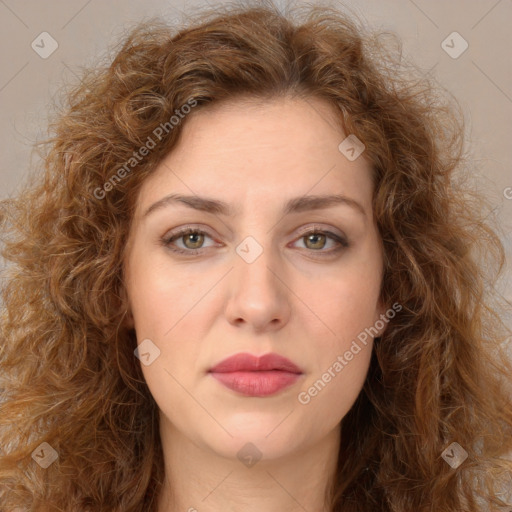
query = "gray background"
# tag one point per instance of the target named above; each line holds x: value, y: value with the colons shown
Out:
x: 480, y: 78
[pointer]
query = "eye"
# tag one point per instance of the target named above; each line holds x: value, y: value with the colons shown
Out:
x: 316, y: 240
x: 192, y: 239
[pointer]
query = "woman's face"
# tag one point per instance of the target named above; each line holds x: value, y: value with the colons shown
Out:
x: 249, y: 279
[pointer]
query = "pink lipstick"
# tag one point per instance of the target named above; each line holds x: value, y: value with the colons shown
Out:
x: 256, y: 376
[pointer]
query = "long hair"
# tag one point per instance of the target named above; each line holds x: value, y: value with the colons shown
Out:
x: 73, y: 394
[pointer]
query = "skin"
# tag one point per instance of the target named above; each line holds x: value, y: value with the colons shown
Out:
x: 200, y: 309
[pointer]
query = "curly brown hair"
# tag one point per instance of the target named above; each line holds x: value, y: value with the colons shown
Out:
x: 68, y: 373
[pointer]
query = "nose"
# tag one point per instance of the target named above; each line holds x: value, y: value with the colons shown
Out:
x: 258, y: 296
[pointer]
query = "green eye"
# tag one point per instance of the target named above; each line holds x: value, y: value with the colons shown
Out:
x: 193, y: 240
x: 318, y: 240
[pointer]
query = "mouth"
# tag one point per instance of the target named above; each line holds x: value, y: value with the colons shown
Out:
x: 254, y: 376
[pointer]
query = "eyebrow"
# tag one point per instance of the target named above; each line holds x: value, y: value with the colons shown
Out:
x: 294, y: 205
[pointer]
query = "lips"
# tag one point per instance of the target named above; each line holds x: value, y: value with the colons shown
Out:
x: 256, y: 376
x: 249, y: 363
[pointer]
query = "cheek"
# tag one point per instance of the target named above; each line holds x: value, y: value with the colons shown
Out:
x: 348, y: 308
x: 351, y: 310
x: 166, y: 307
x: 348, y: 302
x: 340, y: 361
x: 159, y: 295
x: 329, y: 395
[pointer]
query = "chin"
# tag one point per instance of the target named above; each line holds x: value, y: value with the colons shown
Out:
x: 256, y: 436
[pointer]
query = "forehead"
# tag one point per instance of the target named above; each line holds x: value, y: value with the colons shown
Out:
x: 260, y: 151
x: 244, y: 126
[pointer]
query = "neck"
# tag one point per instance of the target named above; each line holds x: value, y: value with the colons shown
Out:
x: 200, y: 480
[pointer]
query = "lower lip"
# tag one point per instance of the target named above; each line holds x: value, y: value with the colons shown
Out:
x: 257, y: 383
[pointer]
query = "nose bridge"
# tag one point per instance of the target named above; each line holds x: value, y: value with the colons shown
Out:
x: 257, y: 295
x: 255, y: 267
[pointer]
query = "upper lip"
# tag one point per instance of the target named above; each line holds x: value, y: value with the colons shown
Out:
x: 249, y: 363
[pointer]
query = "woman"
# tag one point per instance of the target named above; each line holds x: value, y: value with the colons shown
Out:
x: 246, y: 281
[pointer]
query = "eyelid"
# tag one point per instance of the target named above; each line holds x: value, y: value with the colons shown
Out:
x: 180, y: 232
x: 341, y: 239
x: 320, y: 229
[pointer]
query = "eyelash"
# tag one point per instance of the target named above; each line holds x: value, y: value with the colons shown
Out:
x: 167, y: 240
